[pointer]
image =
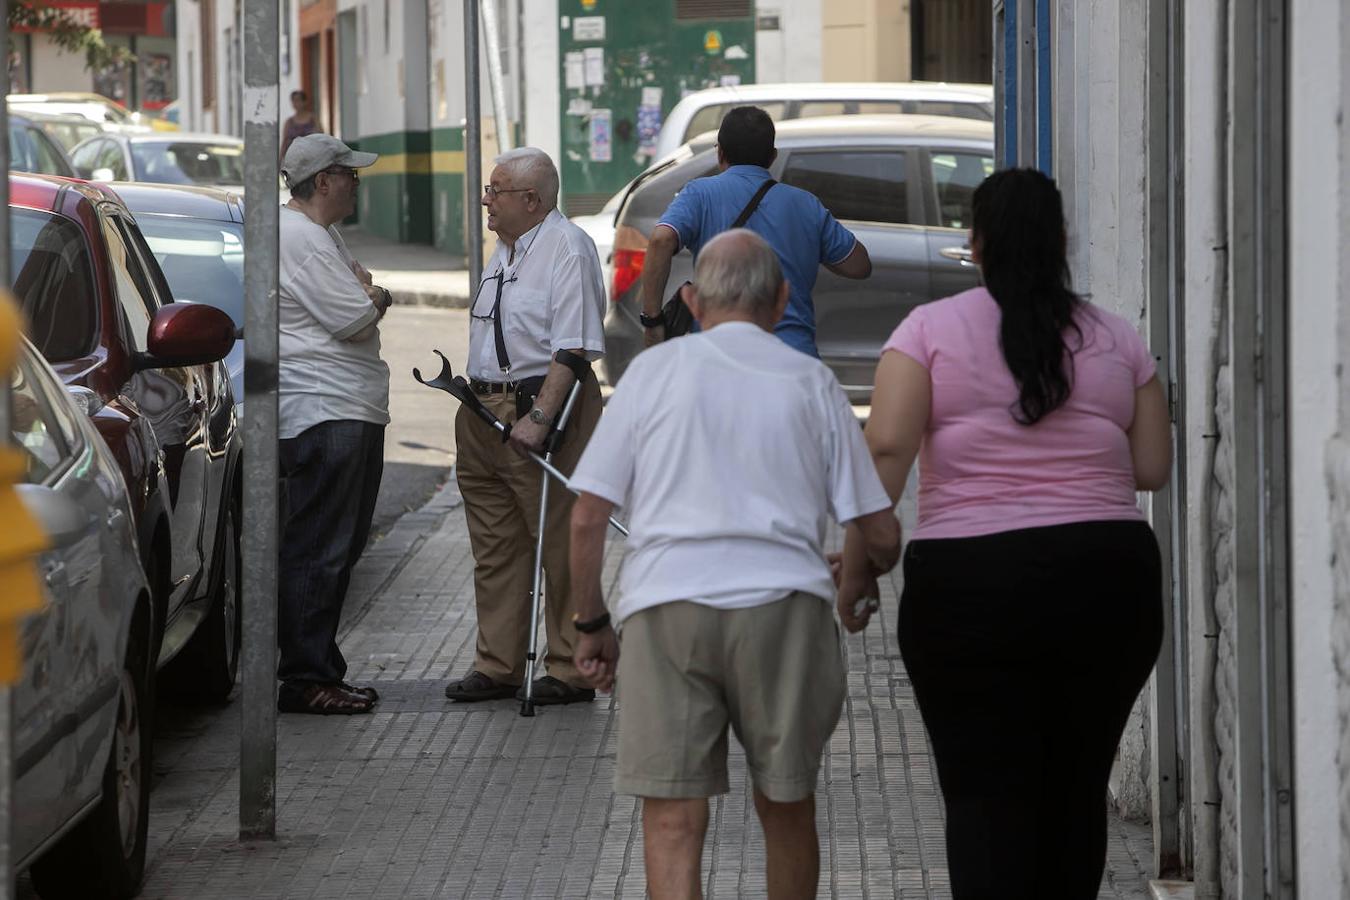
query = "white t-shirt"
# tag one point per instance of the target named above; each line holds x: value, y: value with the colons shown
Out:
x: 323, y: 378
x: 553, y: 298
x: 729, y: 450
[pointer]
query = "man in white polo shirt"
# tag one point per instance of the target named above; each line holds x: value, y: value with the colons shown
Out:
x: 334, y: 404
x: 730, y: 451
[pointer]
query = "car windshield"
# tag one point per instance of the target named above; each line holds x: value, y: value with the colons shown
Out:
x: 50, y: 264
x: 182, y: 162
x: 70, y: 133
x: 202, y: 260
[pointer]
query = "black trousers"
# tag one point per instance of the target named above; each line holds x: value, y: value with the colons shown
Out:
x: 1027, y: 650
x: 330, y: 481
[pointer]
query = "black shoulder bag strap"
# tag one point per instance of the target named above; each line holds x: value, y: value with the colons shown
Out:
x: 753, y: 204
x: 674, y: 314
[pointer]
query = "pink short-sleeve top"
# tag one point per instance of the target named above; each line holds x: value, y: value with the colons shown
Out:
x: 981, y: 472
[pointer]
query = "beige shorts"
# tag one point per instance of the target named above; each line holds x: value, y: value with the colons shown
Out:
x: 774, y: 673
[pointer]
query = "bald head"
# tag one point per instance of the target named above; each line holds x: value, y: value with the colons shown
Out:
x: 738, y: 272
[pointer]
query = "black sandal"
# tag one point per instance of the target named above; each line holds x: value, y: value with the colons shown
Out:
x: 366, y: 691
x: 475, y: 687
x: 550, y: 691
x: 322, y: 700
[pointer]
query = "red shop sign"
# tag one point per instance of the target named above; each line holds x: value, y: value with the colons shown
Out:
x: 85, y: 14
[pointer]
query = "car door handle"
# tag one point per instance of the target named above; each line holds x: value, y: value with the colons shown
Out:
x: 114, y: 517
x: 959, y: 254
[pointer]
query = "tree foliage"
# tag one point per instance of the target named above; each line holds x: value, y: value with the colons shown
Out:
x: 66, y: 33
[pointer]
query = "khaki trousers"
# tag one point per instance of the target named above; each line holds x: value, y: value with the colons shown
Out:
x: 501, y: 503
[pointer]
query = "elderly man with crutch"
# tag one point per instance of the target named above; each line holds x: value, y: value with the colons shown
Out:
x: 537, y: 321
x: 725, y: 593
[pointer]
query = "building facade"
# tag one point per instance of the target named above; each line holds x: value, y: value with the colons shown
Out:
x: 1203, y: 163
x: 589, y: 81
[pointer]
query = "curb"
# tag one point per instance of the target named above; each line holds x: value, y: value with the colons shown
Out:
x: 429, y: 298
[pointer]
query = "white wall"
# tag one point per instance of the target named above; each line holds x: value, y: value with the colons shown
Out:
x: 56, y: 70
x: 1318, y: 198
x: 539, y: 73
x: 793, y: 52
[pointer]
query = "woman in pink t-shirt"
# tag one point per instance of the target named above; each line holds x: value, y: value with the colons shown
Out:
x: 1031, y: 614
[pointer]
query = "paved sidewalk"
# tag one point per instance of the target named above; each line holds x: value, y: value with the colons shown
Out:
x: 415, y: 274
x: 430, y: 799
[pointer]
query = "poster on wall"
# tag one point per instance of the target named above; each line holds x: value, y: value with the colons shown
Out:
x: 649, y: 120
x: 156, y: 80
x: 602, y: 146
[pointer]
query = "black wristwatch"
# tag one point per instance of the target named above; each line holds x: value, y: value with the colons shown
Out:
x: 647, y: 321
x: 599, y: 623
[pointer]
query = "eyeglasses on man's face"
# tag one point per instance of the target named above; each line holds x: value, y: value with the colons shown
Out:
x: 343, y: 170
x: 492, y: 191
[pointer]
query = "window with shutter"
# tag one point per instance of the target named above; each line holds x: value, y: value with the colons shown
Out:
x: 713, y: 9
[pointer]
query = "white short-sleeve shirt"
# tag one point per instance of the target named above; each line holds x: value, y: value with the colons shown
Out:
x: 552, y: 298
x: 323, y: 377
x: 730, y: 452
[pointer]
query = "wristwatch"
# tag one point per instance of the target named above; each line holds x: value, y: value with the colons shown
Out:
x: 538, y: 416
x: 591, y: 626
x: 647, y: 321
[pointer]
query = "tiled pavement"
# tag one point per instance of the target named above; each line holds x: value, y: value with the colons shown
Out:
x: 430, y: 799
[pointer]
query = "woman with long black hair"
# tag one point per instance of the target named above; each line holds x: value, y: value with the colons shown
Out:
x: 1031, y: 611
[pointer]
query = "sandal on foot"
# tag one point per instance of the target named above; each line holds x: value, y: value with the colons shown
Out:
x: 365, y: 691
x: 476, y: 686
x: 549, y: 691
x: 322, y: 700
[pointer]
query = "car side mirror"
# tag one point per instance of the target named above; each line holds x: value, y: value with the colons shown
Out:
x: 104, y: 174
x: 186, y: 334
x: 60, y: 518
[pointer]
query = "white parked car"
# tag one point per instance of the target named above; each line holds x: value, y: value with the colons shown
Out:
x: 703, y: 110
x: 82, y: 711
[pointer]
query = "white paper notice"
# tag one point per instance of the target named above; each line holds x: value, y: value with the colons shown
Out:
x: 574, y: 71
x: 651, y: 96
x: 579, y: 106
x: 588, y: 28
x: 595, y: 66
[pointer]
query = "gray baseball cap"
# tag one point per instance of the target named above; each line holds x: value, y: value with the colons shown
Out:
x: 311, y: 154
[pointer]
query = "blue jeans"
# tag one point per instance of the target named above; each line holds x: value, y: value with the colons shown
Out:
x: 330, y: 477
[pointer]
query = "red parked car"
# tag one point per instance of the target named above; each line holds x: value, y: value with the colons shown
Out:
x: 148, y: 372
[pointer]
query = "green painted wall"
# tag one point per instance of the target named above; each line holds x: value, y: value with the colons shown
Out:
x: 650, y: 50
x: 395, y: 199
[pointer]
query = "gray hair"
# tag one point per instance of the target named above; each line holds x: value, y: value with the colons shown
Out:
x: 738, y: 270
x: 531, y: 167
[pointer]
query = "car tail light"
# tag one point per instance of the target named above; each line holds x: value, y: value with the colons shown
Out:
x: 627, y: 270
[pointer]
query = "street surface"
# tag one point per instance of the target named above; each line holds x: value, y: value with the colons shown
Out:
x: 419, y: 445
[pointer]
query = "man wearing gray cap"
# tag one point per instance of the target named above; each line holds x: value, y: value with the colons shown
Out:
x: 334, y: 403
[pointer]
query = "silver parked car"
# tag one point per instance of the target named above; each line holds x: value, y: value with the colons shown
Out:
x: 210, y: 160
x: 82, y: 712
x: 902, y: 184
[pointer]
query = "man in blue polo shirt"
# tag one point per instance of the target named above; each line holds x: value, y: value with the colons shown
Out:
x: 795, y: 224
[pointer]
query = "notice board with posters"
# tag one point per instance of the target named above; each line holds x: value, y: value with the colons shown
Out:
x: 624, y: 65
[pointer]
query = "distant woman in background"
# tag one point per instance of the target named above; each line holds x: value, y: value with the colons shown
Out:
x: 299, y: 124
x: 1031, y: 614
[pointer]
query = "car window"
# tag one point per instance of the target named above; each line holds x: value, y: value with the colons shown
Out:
x: 85, y: 157
x: 20, y: 153
x: 35, y: 432
x: 110, y: 157
x: 181, y: 162
x: 709, y: 118
x: 886, y: 108
x: 821, y: 108
x: 202, y: 261
x: 53, y: 281
x: 956, y: 175
x: 857, y: 185
x: 49, y: 160
x: 133, y: 291
x: 949, y: 108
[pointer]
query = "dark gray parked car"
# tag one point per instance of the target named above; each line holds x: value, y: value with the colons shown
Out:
x: 902, y: 184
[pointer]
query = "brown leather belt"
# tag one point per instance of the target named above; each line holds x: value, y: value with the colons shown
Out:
x: 483, y: 388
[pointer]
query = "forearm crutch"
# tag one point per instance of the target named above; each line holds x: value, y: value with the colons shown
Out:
x: 580, y: 370
x: 457, y: 387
